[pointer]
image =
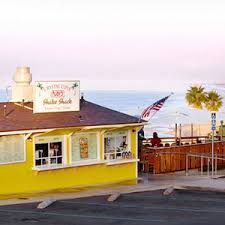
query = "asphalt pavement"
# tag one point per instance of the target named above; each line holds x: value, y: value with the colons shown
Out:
x: 181, y: 207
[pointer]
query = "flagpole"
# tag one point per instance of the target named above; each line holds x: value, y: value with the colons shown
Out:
x: 153, y: 114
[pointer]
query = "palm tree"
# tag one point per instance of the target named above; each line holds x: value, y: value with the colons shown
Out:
x: 213, y: 101
x: 196, y: 97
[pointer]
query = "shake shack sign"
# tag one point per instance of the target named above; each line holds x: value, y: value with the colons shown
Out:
x: 56, y: 96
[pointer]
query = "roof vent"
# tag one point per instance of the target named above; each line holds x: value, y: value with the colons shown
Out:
x: 22, y: 90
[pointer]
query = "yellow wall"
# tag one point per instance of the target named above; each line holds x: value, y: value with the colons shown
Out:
x: 19, y: 177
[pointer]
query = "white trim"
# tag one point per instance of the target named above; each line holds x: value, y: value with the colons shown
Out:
x: 25, y: 131
x: 103, y: 146
x: 85, y: 127
x: 85, y: 163
x: 115, y: 125
x: 70, y: 134
x: 15, y: 162
x: 64, y: 153
x: 93, y: 162
x: 98, y: 145
x: 33, y: 140
x: 128, y: 141
x: 27, y: 135
x: 121, y: 161
x: 62, y: 137
x: 70, y: 148
x: 25, y: 148
x: 103, y: 131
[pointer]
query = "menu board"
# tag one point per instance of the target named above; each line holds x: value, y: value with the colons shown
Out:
x: 84, y: 146
x: 11, y: 149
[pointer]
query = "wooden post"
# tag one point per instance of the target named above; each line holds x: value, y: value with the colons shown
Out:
x: 221, y: 125
x: 192, y: 133
x: 176, y: 133
x: 180, y: 133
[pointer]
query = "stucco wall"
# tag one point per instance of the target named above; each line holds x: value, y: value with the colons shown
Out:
x: 21, y: 177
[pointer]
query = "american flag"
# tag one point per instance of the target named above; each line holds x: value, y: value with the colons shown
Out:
x: 153, y: 108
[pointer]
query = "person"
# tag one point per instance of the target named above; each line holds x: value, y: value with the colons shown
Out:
x: 52, y: 150
x: 141, y: 137
x: 123, y: 144
x: 52, y: 153
x: 155, y: 141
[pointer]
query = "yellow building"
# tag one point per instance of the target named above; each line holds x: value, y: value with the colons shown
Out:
x: 51, y: 150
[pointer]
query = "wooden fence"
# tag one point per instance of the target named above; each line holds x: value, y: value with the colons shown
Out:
x: 171, y: 159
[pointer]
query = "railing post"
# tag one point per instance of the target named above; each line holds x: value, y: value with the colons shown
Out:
x: 221, y: 124
x: 180, y: 134
x: 216, y: 164
x: 201, y: 165
x: 208, y: 166
x: 213, y: 152
x: 186, y: 164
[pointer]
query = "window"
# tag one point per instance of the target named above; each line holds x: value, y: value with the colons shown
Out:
x: 84, y: 146
x: 116, y: 145
x: 12, y: 149
x: 49, y: 151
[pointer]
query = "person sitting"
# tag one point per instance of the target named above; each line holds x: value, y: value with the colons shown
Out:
x: 155, y: 141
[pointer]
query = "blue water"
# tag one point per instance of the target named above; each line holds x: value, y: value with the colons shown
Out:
x: 134, y: 102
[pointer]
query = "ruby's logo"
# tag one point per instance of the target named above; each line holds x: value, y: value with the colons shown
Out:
x: 58, y: 94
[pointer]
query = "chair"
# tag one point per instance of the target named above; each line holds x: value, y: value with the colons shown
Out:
x: 147, y: 159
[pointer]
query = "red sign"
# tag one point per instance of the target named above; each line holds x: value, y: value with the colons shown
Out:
x: 58, y: 94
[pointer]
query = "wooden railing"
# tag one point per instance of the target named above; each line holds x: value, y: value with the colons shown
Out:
x: 171, y: 159
x: 183, y: 140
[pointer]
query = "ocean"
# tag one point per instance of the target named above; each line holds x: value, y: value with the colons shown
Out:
x: 175, y: 109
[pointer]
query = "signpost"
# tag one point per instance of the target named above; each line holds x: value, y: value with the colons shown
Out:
x: 213, y: 127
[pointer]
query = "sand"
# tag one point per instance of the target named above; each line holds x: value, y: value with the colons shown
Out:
x: 201, y: 129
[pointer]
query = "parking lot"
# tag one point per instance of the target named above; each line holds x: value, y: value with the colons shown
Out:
x: 181, y: 207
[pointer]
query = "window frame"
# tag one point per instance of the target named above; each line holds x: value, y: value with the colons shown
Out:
x: 24, y: 150
x: 86, y: 160
x: 128, y: 145
x: 49, y: 140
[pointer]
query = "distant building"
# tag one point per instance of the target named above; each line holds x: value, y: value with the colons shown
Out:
x: 66, y: 142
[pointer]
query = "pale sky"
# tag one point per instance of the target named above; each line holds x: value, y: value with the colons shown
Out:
x: 117, y: 44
